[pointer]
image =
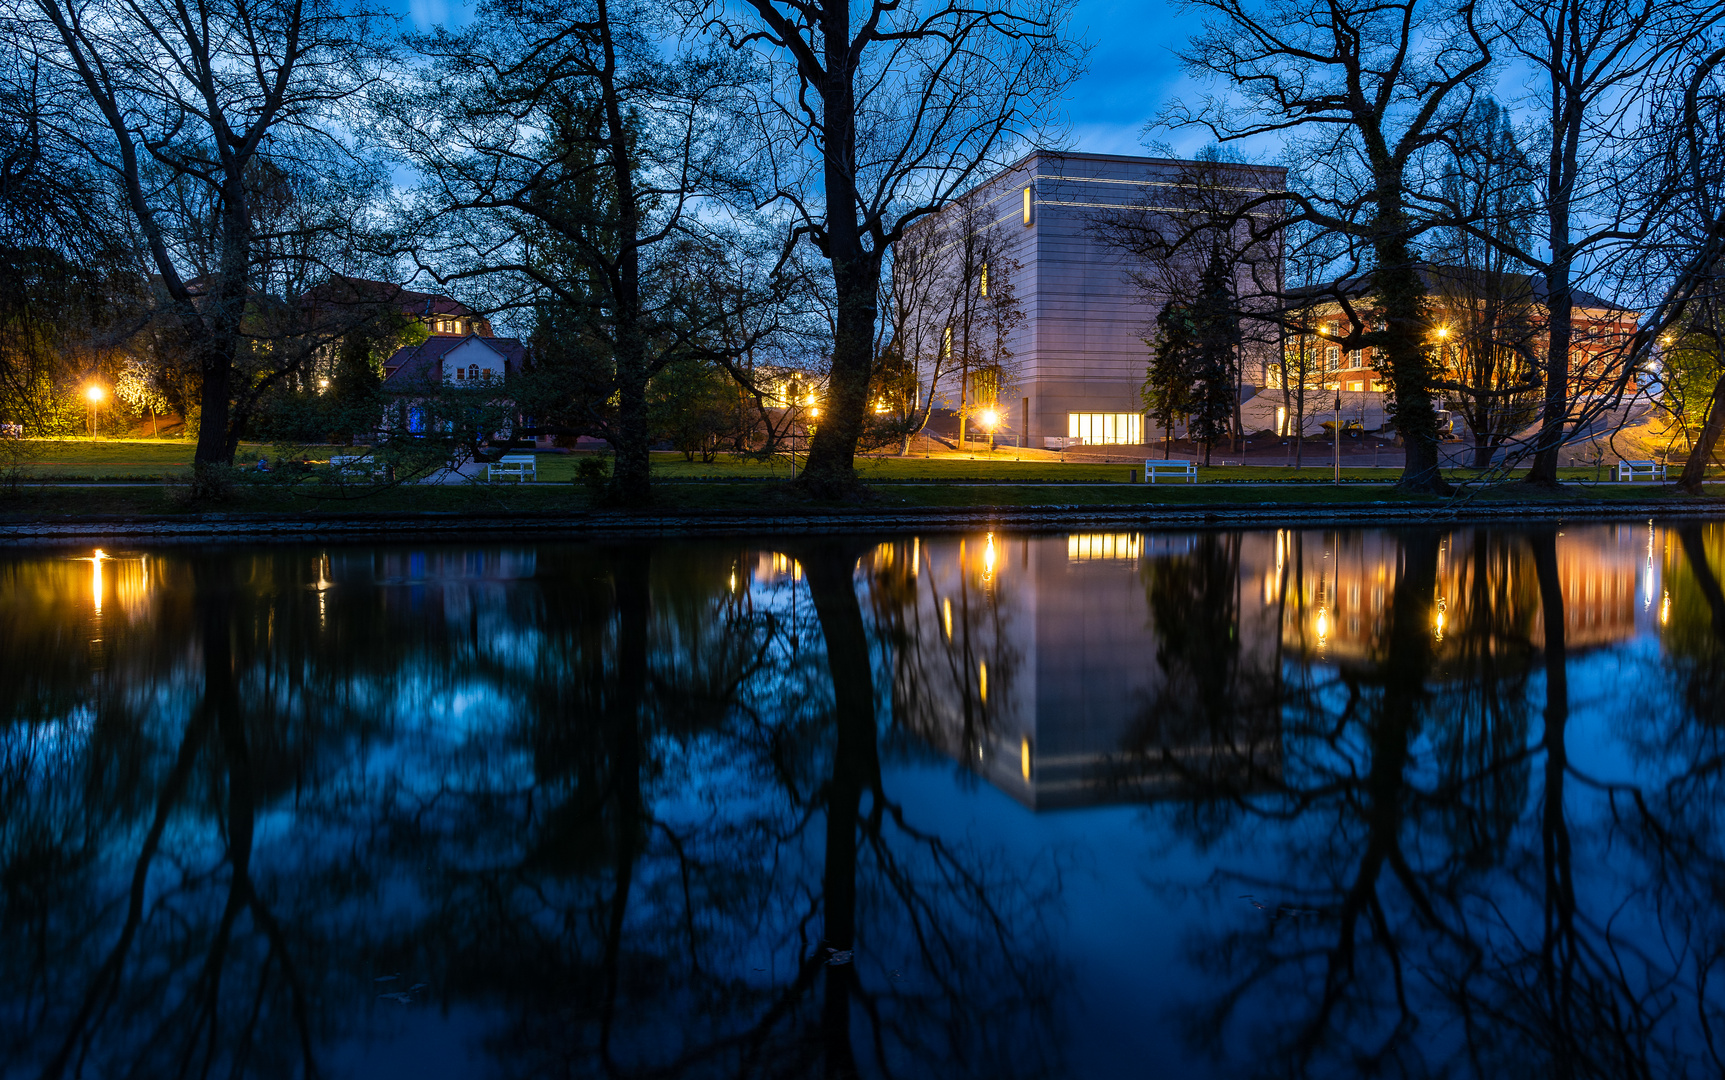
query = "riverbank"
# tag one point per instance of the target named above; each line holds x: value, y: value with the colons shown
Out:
x: 72, y: 513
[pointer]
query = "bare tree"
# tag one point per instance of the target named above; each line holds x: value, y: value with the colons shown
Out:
x: 1485, y: 297
x: 1372, y: 86
x: 215, y: 119
x: 579, y: 166
x: 877, y: 116
x: 1594, y: 58
x: 1695, y: 167
x: 1207, y: 249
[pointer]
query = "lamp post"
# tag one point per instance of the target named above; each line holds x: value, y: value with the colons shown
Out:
x: 94, y: 393
x: 1338, y: 430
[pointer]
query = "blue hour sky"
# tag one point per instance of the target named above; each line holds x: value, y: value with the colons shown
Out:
x: 1132, y: 69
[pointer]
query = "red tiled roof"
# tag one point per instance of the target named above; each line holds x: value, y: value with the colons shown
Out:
x: 349, y: 290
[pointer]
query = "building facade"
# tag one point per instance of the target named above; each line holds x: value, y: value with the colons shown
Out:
x: 1078, y: 356
x: 1468, y: 314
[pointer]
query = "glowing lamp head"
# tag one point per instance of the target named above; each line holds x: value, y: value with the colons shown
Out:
x: 1442, y: 332
x: 95, y: 393
x: 989, y: 419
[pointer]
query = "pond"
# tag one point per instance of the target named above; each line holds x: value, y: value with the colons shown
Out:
x: 1212, y: 804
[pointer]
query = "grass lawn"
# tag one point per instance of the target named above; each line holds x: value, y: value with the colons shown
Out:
x: 150, y: 459
x: 104, y: 459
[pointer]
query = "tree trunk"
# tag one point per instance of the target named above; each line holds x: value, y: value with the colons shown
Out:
x: 829, y: 471
x: 631, y: 468
x: 1482, y: 449
x: 1559, y: 304
x: 631, y: 475
x: 1701, y: 454
x: 1399, y: 291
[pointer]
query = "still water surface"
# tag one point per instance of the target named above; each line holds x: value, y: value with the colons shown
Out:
x: 1401, y: 803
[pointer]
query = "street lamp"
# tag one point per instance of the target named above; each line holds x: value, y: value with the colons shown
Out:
x: 989, y: 419
x: 95, y: 394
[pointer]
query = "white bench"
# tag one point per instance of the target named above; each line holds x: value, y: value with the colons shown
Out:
x: 523, y: 467
x: 1173, y: 470
x: 1635, y: 470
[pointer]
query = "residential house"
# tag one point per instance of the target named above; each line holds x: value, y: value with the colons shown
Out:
x: 414, y: 374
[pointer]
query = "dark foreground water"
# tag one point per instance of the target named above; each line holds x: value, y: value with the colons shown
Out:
x: 1185, y: 805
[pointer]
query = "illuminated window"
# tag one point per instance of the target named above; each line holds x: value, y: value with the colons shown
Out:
x: 1105, y: 428
x: 1088, y: 547
x: 949, y: 343
x: 984, y: 289
x: 1027, y: 206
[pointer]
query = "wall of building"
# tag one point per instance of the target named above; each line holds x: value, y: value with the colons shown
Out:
x: 1080, y: 348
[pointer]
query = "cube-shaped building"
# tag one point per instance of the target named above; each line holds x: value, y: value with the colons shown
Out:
x: 1078, y: 356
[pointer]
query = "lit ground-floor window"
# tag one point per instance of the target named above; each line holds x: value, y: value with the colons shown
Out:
x: 1095, y: 428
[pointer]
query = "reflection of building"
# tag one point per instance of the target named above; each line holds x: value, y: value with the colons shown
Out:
x: 1091, y: 668
x: 1341, y: 585
x: 1039, y: 663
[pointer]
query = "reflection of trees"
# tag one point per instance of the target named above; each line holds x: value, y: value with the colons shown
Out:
x: 1213, y: 712
x: 1695, y: 636
x: 944, y: 625
x: 632, y: 809
x: 1448, y: 910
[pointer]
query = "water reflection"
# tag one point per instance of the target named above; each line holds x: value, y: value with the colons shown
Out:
x: 1421, y: 802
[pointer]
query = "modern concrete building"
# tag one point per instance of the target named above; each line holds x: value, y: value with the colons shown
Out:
x: 1078, y: 356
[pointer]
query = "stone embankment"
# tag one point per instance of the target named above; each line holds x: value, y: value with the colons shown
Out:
x: 813, y: 520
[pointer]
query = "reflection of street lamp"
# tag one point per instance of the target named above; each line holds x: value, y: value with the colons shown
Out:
x: 95, y: 394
